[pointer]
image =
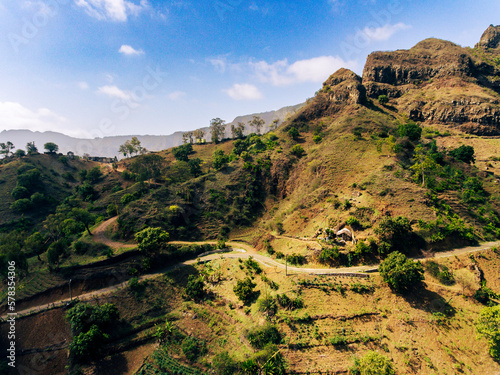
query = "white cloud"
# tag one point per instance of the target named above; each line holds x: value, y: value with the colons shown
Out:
x: 114, y: 92
x: 112, y: 10
x: 82, y: 85
x: 221, y: 65
x: 130, y: 51
x: 244, y: 92
x: 384, y: 32
x: 316, y: 69
x: 176, y: 95
x: 16, y: 116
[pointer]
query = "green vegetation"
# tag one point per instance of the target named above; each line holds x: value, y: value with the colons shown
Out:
x: 373, y: 363
x: 402, y: 274
x: 488, y: 325
x: 244, y: 290
x: 152, y: 240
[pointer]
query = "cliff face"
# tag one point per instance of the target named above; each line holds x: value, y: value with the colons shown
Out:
x: 439, y: 81
x: 343, y: 88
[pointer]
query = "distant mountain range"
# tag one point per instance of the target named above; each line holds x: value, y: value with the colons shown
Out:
x: 108, y: 146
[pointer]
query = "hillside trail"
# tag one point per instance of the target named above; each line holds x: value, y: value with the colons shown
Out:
x: 239, y: 251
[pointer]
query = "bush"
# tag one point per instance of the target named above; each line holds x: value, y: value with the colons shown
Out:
x: 296, y: 259
x: 317, y: 139
x: 224, y: 364
x: 193, y: 348
x: 262, y: 336
x: 195, y: 288
x: 126, y: 199
x: 373, y: 363
x: 402, y: 274
x: 411, y: 130
x: 329, y: 255
x: 297, y: 151
x: 20, y: 192
x: 293, y: 133
x: 21, y: 205
x: 463, y: 153
x: 87, y: 345
x: 244, y: 290
x: 383, y: 99
x: 488, y: 325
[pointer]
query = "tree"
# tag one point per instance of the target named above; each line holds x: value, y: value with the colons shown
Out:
x: 6, y: 148
x: 383, y: 99
x: 51, y: 147
x: 93, y: 175
x: 424, y: 163
x: 20, y: 153
x: 275, y: 124
x: 152, y: 240
x: 219, y: 159
x: 244, y: 290
x: 463, y: 153
x: 88, y: 345
x: 217, y: 129
x: 257, y: 122
x: 198, y: 135
x: 182, y: 152
x: 136, y: 146
x: 130, y: 147
x: 488, y: 325
x: 195, y: 167
x: 31, y: 148
x: 148, y: 167
x: 83, y: 216
x: 402, y: 274
x: 195, y: 288
x: 298, y: 151
x: 411, y: 130
x: 394, y: 232
x: 293, y: 133
x: 373, y: 363
x: 187, y: 137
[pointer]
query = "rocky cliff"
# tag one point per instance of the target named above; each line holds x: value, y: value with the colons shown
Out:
x: 437, y: 81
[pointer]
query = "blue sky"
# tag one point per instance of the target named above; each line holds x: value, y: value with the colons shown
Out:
x: 97, y: 68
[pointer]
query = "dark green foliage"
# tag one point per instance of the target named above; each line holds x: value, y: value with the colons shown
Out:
x: 195, y: 167
x: 94, y: 175
x: 383, y: 99
x: 411, y: 130
x: 317, y: 139
x: 267, y: 305
x: 148, y: 167
x: 395, y: 232
x: 293, y: 133
x: 83, y: 316
x: 252, y: 265
x: 88, y: 345
x: 463, y: 153
x: 182, y: 152
x: 152, y: 240
x: 193, y: 348
x: 297, y: 151
x: 21, y: 205
x: 195, y: 288
x: 219, y: 159
x: 262, y: 336
x: 244, y: 290
x: 30, y: 178
x: 296, y: 259
x: 127, y: 198
x: 402, y: 274
x: 289, y: 303
x: 20, y: 192
x: 51, y: 147
x: 87, y: 192
x: 473, y: 191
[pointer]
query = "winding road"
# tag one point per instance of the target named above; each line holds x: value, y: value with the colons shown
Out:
x: 239, y: 251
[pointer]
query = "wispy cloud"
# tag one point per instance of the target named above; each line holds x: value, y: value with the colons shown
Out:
x: 114, y: 92
x: 112, y: 10
x: 316, y: 69
x: 130, y: 51
x: 384, y: 32
x: 244, y: 92
x: 82, y: 85
x: 176, y: 95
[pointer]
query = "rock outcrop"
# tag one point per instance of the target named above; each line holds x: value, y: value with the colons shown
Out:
x: 341, y: 89
x: 490, y: 38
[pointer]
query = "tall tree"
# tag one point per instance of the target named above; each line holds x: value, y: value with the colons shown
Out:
x: 51, y: 147
x: 31, y: 148
x: 6, y: 148
x: 84, y: 217
x: 217, y: 129
x: 198, y: 135
x: 257, y: 122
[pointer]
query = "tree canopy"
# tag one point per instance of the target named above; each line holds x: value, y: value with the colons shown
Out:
x: 51, y: 147
x: 152, y: 240
x: 402, y: 274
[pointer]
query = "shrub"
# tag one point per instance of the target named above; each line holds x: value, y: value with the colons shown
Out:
x: 195, y: 288
x: 373, y: 363
x: 126, y: 199
x: 224, y: 364
x: 329, y: 255
x: 21, y: 205
x: 262, y: 336
x: 193, y: 348
x: 293, y: 133
x: 488, y: 325
x: 20, y: 192
x: 463, y: 153
x: 411, y: 130
x: 402, y: 274
x: 296, y: 259
x: 317, y: 139
x: 383, y: 99
x: 87, y: 345
x: 244, y: 290
x: 297, y: 151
